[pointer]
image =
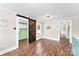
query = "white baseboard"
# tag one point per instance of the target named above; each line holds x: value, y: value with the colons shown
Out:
x: 7, y: 50
x: 38, y: 38
x: 51, y: 38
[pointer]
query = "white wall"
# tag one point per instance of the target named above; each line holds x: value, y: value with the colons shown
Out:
x: 51, y: 33
x: 75, y: 26
x: 54, y: 31
x: 7, y: 33
x: 39, y: 32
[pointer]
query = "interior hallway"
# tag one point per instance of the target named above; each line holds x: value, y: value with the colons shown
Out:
x: 42, y: 47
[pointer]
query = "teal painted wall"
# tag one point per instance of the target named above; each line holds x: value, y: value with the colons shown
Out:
x: 75, y: 46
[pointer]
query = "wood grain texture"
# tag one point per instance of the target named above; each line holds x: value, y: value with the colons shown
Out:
x: 42, y: 47
x: 32, y: 30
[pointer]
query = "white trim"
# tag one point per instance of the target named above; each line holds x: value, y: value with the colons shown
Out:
x: 17, y: 31
x: 8, y: 50
x: 28, y: 30
x: 39, y: 38
x: 70, y: 28
x: 59, y: 31
x: 70, y: 31
x: 51, y: 38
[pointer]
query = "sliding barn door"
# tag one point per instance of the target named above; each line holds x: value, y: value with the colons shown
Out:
x: 32, y: 30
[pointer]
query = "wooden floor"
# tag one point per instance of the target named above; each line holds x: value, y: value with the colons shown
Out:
x: 42, y: 47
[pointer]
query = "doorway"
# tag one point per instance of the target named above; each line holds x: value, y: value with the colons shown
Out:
x: 65, y: 37
x: 23, y: 31
x: 26, y: 30
x: 65, y: 30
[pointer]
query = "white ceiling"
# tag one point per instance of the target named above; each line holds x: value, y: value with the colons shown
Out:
x: 58, y: 10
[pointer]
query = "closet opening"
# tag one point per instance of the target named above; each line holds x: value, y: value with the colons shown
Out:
x: 23, y: 31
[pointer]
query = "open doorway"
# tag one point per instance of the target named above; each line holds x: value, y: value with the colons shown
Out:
x: 26, y: 30
x: 65, y: 37
x: 23, y: 31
